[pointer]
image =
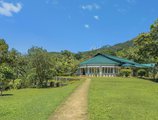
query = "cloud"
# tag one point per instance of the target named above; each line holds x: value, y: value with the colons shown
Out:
x: 47, y: 1
x: 131, y: 1
x: 96, y: 17
x: 7, y: 9
x: 91, y: 7
x: 87, y: 26
x: 54, y: 2
x: 121, y: 9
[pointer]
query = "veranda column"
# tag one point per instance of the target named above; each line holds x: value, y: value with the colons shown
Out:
x: 113, y: 71
x: 100, y: 71
x: 88, y: 71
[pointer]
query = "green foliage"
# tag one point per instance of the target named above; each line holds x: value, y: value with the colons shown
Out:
x: 144, y: 45
x: 66, y: 64
x: 142, y: 72
x: 145, y: 48
x: 17, y: 62
x: 37, y: 67
x: 3, y: 50
x: 6, y: 74
x: 107, y: 49
x: 122, y: 99
x: 125, y: 72
x: 16, y: 84
x: 40, y: 62
x: 130, y: 54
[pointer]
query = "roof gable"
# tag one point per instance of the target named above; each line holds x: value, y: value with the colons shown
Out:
x: 104, y: 59
x: 100, y: 59
x: 121, y: 60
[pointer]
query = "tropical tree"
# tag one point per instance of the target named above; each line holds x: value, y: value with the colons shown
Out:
x: 3, y: 51
x: 40, y: 64
x: 147, y: 47
x: 18, y: 62
x: 67, y: 65
x: 6, y: 74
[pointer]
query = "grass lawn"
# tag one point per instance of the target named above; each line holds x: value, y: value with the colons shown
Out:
x: 123, y: 99
x: 33, y: 104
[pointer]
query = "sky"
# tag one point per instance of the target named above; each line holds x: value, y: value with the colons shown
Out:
x: 75, y: 25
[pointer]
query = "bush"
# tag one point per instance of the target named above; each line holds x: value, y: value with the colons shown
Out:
x: 125, y: 72
x: 32, y: 79
x: 142, y: 72
x: 17, y: 84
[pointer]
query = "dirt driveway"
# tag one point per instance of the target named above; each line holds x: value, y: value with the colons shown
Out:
x: 75, y: 107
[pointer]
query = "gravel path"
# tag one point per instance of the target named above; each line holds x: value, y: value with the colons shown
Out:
x: 75, y: 107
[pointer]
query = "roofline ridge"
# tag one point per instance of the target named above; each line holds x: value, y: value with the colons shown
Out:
x: 105, y: 55
x: 108, y: 56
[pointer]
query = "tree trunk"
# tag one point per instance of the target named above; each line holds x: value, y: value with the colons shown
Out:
x: 1, y: 92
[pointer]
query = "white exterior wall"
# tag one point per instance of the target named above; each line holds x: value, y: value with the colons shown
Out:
x: 99, y: 70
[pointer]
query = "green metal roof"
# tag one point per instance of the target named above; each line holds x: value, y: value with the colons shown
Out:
x: 128, y: 65
x: 104, y: 59
x: 122, y: 60
x: 149, y: 65
x: 99, y: 59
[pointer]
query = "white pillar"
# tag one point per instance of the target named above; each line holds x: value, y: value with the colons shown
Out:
x: 88, y: 71
x: 100, y: 71
x: 114, y: 70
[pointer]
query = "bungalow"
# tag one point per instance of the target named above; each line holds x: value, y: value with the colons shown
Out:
x: 106, y: 65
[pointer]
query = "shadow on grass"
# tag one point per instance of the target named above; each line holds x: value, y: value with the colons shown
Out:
x: 6, y: 95
x: 149, y: 79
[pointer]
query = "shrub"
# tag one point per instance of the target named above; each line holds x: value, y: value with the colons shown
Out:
x: 142, y: 72
x: 125, y: 72
x: 17, y: 84
x: 32, y: 79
